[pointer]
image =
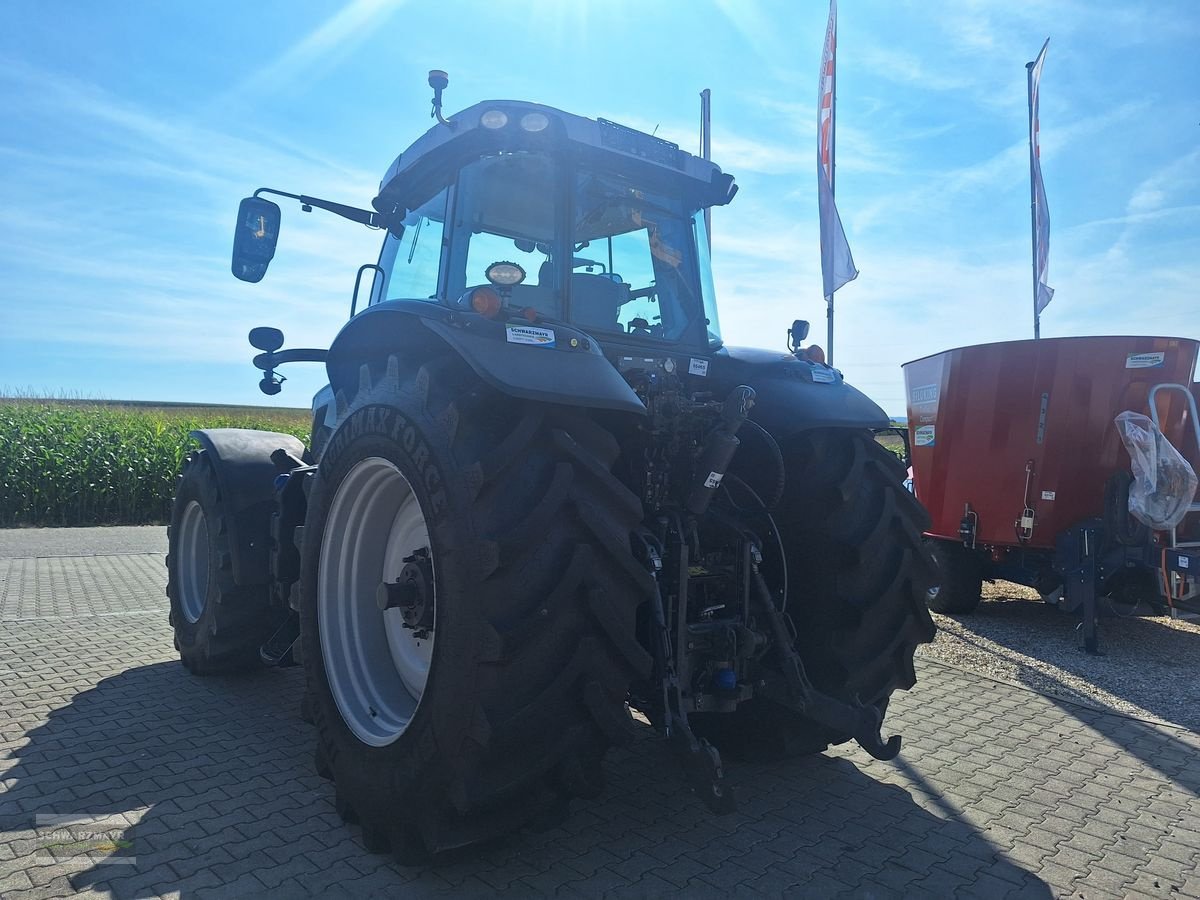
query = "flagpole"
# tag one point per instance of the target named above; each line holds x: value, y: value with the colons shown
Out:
x: 832, y: 178
x: 1037, y: 325
x: 706, y: 150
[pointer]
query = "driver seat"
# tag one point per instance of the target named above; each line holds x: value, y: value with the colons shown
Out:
x: 596, y: 300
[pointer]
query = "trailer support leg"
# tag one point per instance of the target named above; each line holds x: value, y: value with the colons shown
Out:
x: 1087, y: 587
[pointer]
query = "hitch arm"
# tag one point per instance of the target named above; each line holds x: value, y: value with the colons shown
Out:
x: 861, y: 721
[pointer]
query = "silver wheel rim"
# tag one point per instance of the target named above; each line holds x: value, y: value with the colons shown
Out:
x: 377, y: 669
x: 192, y: 567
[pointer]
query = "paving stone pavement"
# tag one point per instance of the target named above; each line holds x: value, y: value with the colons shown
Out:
x: 205, y: 787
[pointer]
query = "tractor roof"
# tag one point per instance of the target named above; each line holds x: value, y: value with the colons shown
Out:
x: 513, y: 125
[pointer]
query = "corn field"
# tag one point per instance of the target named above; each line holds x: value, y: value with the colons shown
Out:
x: 95, y: 463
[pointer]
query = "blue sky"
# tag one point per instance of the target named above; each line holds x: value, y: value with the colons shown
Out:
x: 129, y: 131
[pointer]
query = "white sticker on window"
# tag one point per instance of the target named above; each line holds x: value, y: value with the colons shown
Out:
x: 1047, y: 495
x: 713, y: 479
x: 1145, y: 360
x: 698, y: 367
x: 1184, y: 562
x: 530, y: 334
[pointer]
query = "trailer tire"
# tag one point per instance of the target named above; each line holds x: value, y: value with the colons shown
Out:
x: 219, y: 625
x: 514, y: 686
x: 857, y: 575
x: 960, y: 578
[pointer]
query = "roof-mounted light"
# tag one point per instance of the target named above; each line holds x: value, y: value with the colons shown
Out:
x: 494, y: 119
x: 534, y: 121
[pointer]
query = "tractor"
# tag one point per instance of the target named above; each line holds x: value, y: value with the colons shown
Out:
x: 541, y: 495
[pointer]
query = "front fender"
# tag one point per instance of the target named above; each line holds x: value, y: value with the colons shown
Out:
x: 241, y: 459
x: 793, y: 394
x: 548, y: 362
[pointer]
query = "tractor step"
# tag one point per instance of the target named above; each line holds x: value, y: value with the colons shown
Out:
x: 278, y: 651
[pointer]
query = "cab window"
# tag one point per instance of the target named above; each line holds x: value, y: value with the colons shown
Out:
x: 411, y: 263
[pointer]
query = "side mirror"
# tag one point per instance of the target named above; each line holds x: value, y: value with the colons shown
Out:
x: 264, y: 338
x: 254, y: 240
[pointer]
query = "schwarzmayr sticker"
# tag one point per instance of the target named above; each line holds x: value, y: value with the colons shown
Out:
x: 924, y: 436
x: 529, y: 334
x: 1145, y: 360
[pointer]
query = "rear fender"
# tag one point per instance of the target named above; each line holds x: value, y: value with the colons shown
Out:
x: 794, y: 395
x: 546, y: 361
x: 241, y: 459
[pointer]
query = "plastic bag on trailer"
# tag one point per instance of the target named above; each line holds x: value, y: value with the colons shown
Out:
x: 1163, y: 482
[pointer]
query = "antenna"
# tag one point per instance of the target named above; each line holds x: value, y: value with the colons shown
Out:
x: 439, y: 81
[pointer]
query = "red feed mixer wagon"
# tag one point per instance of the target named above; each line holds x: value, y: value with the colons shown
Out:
x: 1017, y: 457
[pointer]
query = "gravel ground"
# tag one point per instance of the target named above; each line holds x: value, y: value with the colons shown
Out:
x: 1148, y: 667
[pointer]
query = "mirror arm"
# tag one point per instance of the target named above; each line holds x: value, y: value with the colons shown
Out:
x: 353, y: 213
x: 268, y: 361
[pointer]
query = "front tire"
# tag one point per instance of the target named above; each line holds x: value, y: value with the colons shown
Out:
x: 219, y: 626
x: 523, y: 534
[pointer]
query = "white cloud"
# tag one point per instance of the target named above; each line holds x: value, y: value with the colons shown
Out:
x: 908, y: 69
x: 1172, y: 181
x: 763, y: 31
x: 110, y: 223
x: 330, y: 42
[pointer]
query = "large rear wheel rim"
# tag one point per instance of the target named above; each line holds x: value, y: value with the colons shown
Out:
x: 193, y: 561
x: 377, y: 668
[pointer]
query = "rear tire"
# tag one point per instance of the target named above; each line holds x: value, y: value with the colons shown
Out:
x: 960, y: 578
x: 219, y: 626
x: 535, y: 596
x: 857, y: 576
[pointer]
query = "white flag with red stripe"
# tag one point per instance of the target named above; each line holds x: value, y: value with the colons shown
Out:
x: 837, y: 265
x: 1041, y: 212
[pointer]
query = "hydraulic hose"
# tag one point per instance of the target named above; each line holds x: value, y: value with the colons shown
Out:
x: 776, y: 495
x: 774, y: 530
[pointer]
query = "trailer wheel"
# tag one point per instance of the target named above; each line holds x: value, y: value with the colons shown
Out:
x: 468, y: 607
x: 857, y: 574
x: 960, y: 578
x: 219, y: 626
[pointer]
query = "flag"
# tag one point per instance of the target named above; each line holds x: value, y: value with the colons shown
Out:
x: 1041, y: 212
x: 837, y: 265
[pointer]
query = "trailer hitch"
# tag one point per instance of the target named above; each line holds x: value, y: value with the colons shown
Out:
x: 702, y: 769
x: 700, y: 760
x: 861, y: 721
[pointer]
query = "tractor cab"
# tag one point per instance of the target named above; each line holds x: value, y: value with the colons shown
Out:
x: 519, y: 210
